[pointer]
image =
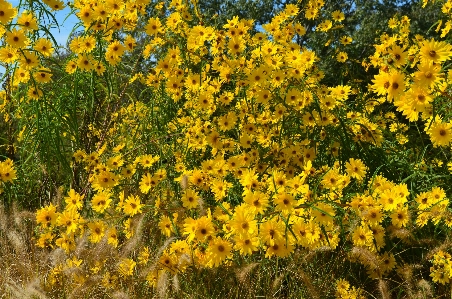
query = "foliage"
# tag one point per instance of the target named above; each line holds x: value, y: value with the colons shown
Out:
x: 163, y: 154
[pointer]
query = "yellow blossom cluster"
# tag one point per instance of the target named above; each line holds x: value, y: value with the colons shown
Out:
x: 441, y: 271
x: 228, y: 145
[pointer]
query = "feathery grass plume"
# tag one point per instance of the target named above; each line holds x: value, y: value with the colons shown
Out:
x: 14, y: 216
x: 58, y: 198
x: 424, y: 289
x: 383, y: 288
x: 26, y: 227
x: 3, y: 219
x: 176, y: 284
x: 57, y: 256
x: 82, y: 245
x: 120, y: 295
x: 402, y: 233
x: 133, y: 242
x: 443, y: 247
x: 27, y: 215
x: 201, y: 208
x: 243, y: 273
x: 312, y: 253
x: 184, y: 182
x: 18, y: 216
x: 427, y: 241
x: 405, y: 271
x: 156, y: 258
x: 84, y: 290
x: 277, y: 283
x: 101, y: 251
x: 307, y: 281
x: 162, y: 285
x: 184, y: 259
x: 353, y: 224
x: 68, y: 271
x: 19, y: 265
x: 16, y: 240
x: 30, y: 291
x: 19, y: 228
x: 365, y: 256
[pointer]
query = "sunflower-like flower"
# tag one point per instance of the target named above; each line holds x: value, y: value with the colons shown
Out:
x: 435, y: 51
x: 440, y: 133
x: 218, y: 251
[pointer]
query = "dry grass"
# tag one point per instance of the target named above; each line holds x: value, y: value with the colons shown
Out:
x: 305, y: 274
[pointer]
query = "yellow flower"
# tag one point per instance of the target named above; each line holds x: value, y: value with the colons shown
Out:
x: 7, y: 171
x: 190, y: 199
x: 114, y: 6
x: 116, y: 48
x: 356, y: 168
x: 204, y: 228
x: 112, y: 236
x: 71, y: 67
x: 332, y: 179
x: 338, y: 16
x: 97, y: 231
x: 148, y: 160
x: 440, y: 133
x: 434, y: 51
x: 44, y: 46
x: 147, y: 183
x: 362, y: 236
x: 144, y: 255
x: 16, y: 38
x: 74, y: 201
x: 400, y: 217
x: 70, y: 220
x: 128, y: 171
x: 45, y: 240
x: 325, y: 26
x: 218, y: 251
x: 7, y: 12
x: 43, y: 75
x: 47, y: 216
x: 132, y: 205
x: 396, y: 85
x: 341, y: 56
x: 66, y: 242
x: 101, y: 201
x: 272, y: 231
x: 168, y: 262
x: 323, y: 213
x: 345, y: 40
x: 279, y: 249
x: 397, y: 56
x: 86, y: 15
x: 28, y: 60
x: 8, y: 54
x: 105, y: 180
x: 285, y: 203
x: 166, y: 226
x: 245, y: 244
x: 220, y: 188
x: 428, y: 74
x: 84, y: 62
x: 34, y: 93
x: 99, y: 68
x: 126, y: 267
x: 242, y: 222
x: 154, y: 26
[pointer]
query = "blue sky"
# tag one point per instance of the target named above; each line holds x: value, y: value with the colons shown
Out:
x: 63, y: 32
x: 60, y: 34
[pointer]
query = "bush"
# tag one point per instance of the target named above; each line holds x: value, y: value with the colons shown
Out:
x: 167, y: 155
